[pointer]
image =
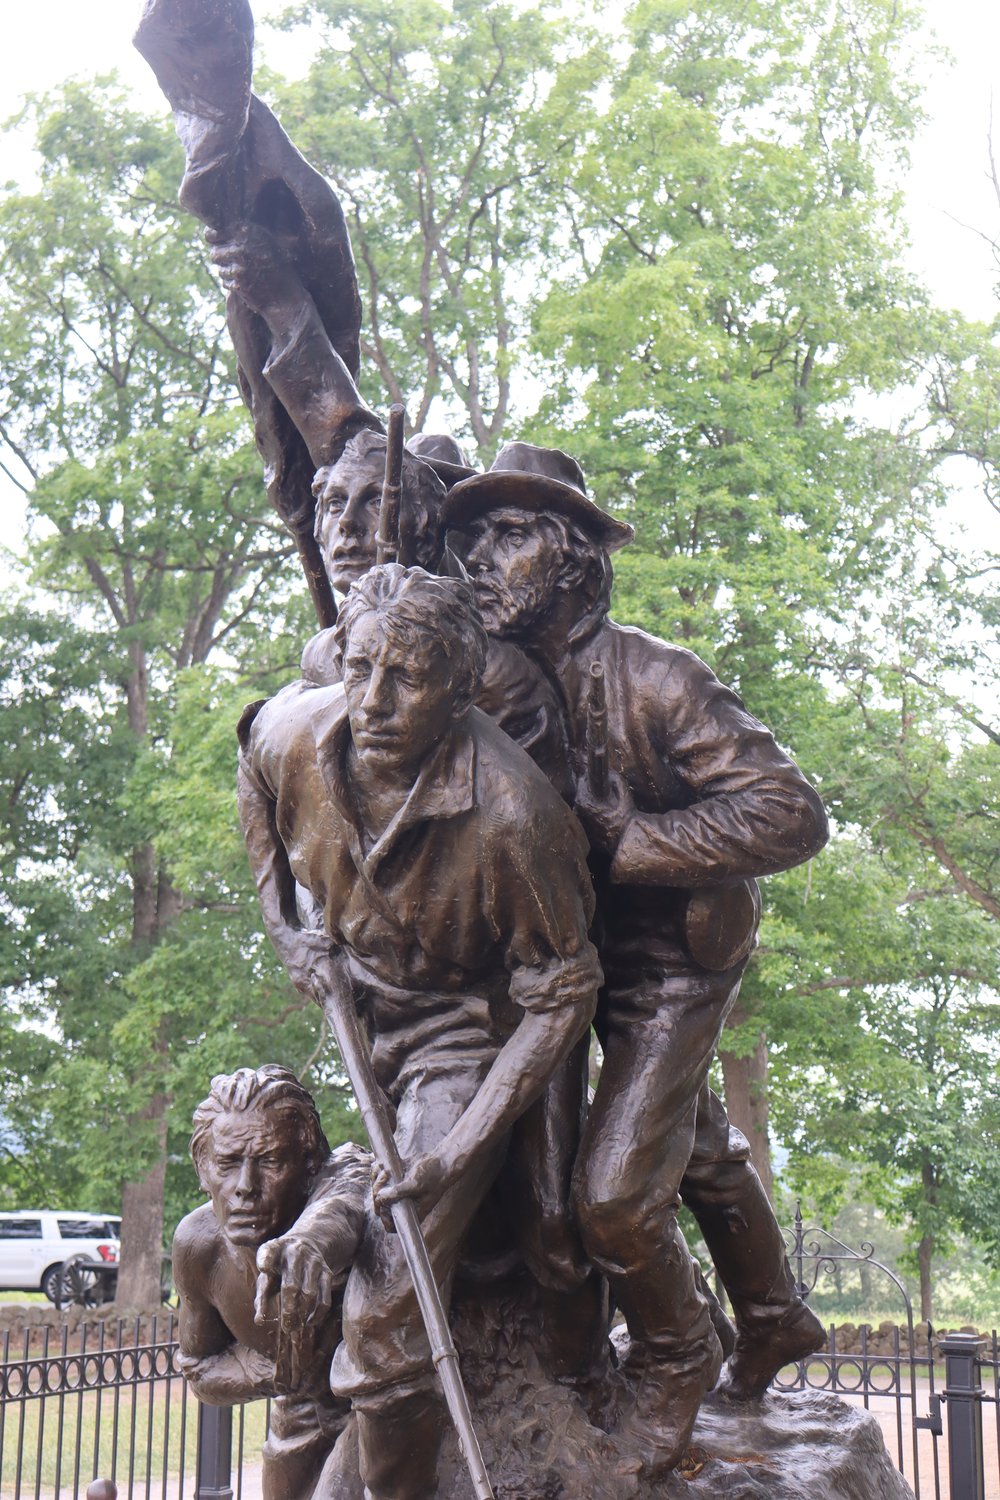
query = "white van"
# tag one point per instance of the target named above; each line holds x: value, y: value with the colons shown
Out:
x: 34, y: 1244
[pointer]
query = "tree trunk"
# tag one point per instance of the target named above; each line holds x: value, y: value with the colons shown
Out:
x: 925, y: 1249
x: 155, y: 904
x: 925, y: 1258
x: 142, y: 1220
x: 745, y: 1082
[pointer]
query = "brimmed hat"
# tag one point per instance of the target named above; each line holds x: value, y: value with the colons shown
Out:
x: 440, y: 450
x: 533, y: 479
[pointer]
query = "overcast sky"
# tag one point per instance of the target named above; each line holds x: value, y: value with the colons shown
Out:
x: 47, y: 40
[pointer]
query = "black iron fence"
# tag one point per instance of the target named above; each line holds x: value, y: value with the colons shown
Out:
x: 936, y: 1397
x: 107, y: 1403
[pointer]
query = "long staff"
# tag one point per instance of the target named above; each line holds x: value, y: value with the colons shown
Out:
x: 342, y: 1015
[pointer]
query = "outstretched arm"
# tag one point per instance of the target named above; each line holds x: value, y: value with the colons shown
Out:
x: 303, y: 368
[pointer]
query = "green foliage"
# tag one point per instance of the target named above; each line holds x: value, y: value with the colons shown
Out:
x: 130, y: 949
x: 674, y: 251
x: 438, y: 124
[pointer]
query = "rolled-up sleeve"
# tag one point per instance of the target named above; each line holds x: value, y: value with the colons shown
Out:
x: 544, y: 904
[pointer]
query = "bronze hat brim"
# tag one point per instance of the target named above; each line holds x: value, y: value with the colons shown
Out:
x: 532, y: 492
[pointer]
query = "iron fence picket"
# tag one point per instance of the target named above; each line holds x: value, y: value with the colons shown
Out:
x: 116, y: 1409
x: 149, y: 1415
x: 241, y: 1432
x: 22, y: 1416
x: 39, y: 1442
x: 97, y: 1406
x: 184, y: 1411
x: 166, y: 1412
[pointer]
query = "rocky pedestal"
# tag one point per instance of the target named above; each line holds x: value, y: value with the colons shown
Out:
x: 543, y: 1440
x: 801, y: 1446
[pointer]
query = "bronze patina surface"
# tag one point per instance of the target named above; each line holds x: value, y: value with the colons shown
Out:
x: 499, y: 824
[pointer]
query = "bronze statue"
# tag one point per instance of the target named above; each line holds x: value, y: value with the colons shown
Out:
x: 697, y: 798
x: 410, y: 854
x: 455, y: 897
x: 261, y: 1268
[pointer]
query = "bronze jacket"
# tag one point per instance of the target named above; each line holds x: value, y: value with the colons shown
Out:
x: 716, y: 802
x: 475, y: 903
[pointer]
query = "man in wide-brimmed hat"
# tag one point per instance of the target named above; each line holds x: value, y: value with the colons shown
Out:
x: 699, y: 801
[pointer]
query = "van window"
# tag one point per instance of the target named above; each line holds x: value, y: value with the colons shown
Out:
x: 20, y: 1229
x: 83, y: 1229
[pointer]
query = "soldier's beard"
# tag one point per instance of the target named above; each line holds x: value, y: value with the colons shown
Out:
x: 511, y: 612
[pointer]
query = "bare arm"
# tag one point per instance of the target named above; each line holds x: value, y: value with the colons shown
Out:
x: 220, y: 1370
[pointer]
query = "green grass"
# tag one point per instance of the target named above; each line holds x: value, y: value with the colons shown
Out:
x: 51, y: 1431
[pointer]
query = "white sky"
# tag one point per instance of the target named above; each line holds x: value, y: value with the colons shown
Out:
x: 949, y: 193
x: 47, y: 40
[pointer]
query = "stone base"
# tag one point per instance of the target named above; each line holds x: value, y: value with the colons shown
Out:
x: 800, y: 1446
x: 546, y: 1440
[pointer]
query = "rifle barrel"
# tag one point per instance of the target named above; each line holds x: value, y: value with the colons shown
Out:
x: 387, y: 543
x: 597, y: 732
x: 342, y: 1015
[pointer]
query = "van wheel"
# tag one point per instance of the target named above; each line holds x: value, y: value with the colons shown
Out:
x: 50, y: 1282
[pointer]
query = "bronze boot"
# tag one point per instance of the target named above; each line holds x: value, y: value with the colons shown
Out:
x: 675, y: 1353
x: 774, y: 1327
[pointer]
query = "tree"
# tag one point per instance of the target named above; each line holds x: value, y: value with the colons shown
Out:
x: 438, y: 125
x: 152, y: 551
x: 720, y: 317
x: 743, y: 300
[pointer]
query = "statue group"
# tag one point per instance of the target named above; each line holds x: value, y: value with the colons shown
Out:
x: 490, y: 829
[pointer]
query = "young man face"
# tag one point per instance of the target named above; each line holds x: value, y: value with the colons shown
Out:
x: 400, y: 694
x: 253, y: 1170
x: 347, y: 526
x: 515, y: 560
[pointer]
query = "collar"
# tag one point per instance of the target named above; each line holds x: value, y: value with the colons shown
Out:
x: 444, y: 788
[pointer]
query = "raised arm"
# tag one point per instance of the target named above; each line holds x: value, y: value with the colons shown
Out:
x: 304, y: 370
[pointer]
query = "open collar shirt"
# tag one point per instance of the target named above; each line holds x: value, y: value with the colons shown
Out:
x: 474, y: 899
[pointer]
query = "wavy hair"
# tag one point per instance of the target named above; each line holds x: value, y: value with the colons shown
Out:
x: 272, y: 1090
x: 413, y: 606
